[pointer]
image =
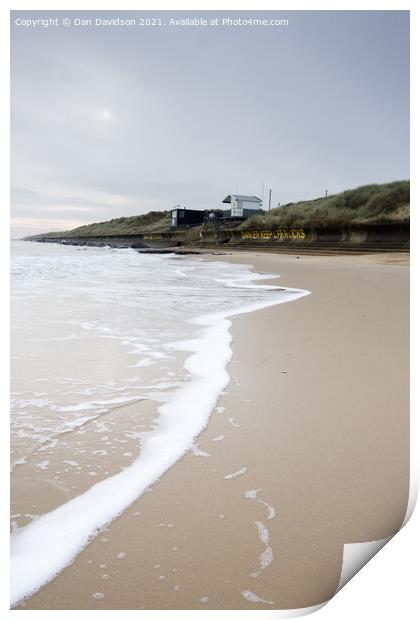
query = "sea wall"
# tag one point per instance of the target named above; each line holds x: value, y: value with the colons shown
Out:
x: 358, y: 237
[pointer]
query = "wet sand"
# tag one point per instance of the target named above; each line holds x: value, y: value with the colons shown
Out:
x: 315, y: 418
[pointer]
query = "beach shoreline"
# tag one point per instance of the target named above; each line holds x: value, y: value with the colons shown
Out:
x: 303, y: 454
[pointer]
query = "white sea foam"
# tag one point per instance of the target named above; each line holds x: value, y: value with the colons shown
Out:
x: 143, y: 363
x: 60, y: 338
x: 266, y: 558
x: 43, y: 464
x: 252, y: 494
x: 48, y: 445
x: 86, y: 406
x: 253, y: 598
x: 263, y: 532
x: 197, y: 451
x: 40, y: 550
x: 271, y: 512
x: 235, y: 474
x: 232, y: 421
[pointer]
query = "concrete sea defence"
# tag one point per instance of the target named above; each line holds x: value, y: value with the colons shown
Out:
x: 355, y: 238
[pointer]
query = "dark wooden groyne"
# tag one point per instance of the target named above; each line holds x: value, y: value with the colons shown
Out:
x: 352, y: 239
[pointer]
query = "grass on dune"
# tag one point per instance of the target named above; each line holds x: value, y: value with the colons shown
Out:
x: 389, y: 202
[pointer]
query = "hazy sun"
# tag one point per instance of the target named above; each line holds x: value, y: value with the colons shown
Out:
x: 105, y: 114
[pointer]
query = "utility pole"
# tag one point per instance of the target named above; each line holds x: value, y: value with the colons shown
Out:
x: 326, y: 193
x: 269, y: 200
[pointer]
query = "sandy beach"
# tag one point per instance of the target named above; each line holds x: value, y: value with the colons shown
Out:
x: 307, y: 449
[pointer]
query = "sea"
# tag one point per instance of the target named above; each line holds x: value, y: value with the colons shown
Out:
x: 118, y: 360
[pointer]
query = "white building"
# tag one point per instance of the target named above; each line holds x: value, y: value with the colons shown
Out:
x: 243, y: 206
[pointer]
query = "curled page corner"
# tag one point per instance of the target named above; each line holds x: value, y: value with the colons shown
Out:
x: 298, y: 613
x: 414, y: 490
x: 293, y: 613
x: 356, y: 556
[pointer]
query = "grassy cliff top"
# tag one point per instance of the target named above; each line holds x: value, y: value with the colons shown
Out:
x: 389, y: 202
x: 149, y: 222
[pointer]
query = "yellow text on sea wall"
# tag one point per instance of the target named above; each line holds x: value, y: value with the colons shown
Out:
x: 279, y: 233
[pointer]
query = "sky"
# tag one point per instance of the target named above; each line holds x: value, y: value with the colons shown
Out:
x: 112, y: 121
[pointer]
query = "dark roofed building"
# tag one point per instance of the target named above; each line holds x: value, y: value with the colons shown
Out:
x: 185, y: 218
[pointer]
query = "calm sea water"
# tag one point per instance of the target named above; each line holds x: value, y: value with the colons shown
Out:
x: 99, y: 335
x: 91, y: 328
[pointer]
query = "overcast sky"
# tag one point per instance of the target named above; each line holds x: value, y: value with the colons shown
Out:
x: 115, y: 121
